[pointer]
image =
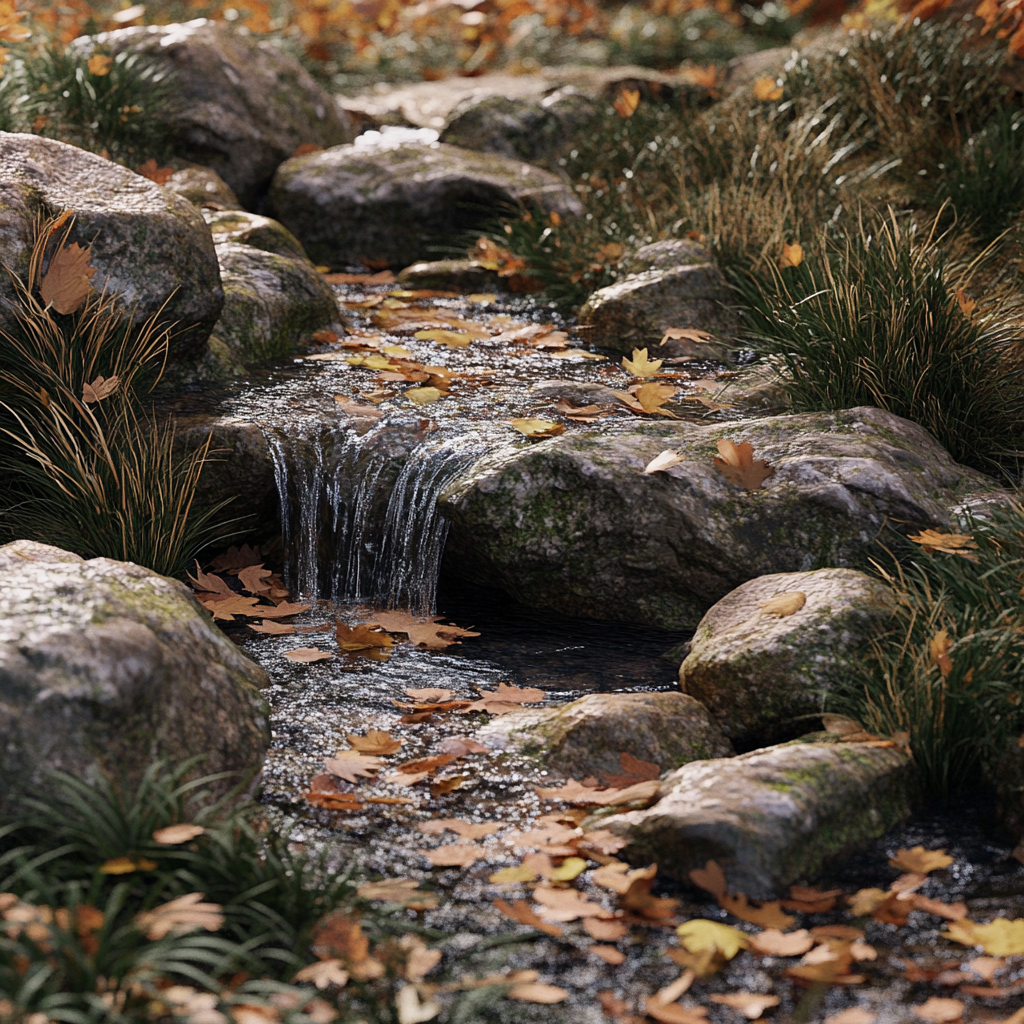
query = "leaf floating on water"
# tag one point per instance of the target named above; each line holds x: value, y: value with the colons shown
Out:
x: 784, y: 605
x: 422, y: 396
x: 375, y: 741
x: 424, y: 632
x: 66, y: 282
x: 272, y: 628
x: 305, y: 655
x: 360, y: 638
x: 451, y: 339
x: 736, y: 463
x: 1001, y: 937
x: 640, y: 365
x: 537, y: 428
x: 920, y: 860
x: 350, y: 765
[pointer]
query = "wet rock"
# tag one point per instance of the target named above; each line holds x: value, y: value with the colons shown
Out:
x: 759, y: 388
x: 252, y: 229
x: 466, y: 276
x: 201, y: 186
x: 636, y: 310
x: 759, y: 673
x: 578, y: 393
x: 395, y: 202
x: 587, y: 737
x: 573, y: 523
x: 149, y: 246
x: 271, y: 303
x: 774, y: 816
x: 242, y: 106
x: 105, y: 666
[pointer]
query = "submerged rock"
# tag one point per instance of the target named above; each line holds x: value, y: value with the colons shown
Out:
x: 759, y: 672
x: 395, y: 203
x: 573, y: 523
x: 272, y: 302
x: 106, y: 666
x: 252, y: 229
x: 667, y: 284
x: 149, y: 246
x: 465, y: 276
x: 771, y: 817
x: 242, y: 106
x: 588, y: 737
x: 201, y: 186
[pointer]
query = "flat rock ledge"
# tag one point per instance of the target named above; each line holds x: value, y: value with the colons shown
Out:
x: 589, y: 736
x: 106, y: 666
x: 771, y: 817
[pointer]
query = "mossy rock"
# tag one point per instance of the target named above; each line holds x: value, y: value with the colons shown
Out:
x: 201, y: 186
x: 252, y: 229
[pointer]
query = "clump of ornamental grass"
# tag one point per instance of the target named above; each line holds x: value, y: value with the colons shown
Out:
x: 87, y: 469
x: 883, y: 317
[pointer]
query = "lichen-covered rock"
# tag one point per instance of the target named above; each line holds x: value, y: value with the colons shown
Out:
x: 106, y: 666
x: 466, y: 276
x: 587, y: 737
x: 573, y: 523
x: 683, y: 287
x: 771, y: 817
x: 201, y: 186
x: 271, y: 303
x: 252, y: 229
x: 759, y: 388
x: 758, y: 673
x: 149, y: 246
x: 394, y: 203
x: 241, y: 106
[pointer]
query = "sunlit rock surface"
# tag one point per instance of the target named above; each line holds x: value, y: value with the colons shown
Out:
x: 252, y: 229
x: 201, y: 186
x: 105, y: 666
x: 758, y: 672
x: 774, y: 816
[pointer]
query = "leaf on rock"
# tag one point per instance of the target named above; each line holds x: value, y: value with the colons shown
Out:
x: 272, y: 628
x: 360, y: 638
x: 666, y: 460
x: 376, y: 741
x: 940, y: 1011
x: 185, y: 914
x: 66, y: 282
x: 538, y: 992
x: 351, y: 766
x: 581, y: 413
x: 305, y: 655
x: 520, y: 912
x: 172, y: 835
x: 918, y: 859
x: 423, y: 396
x: 455, y: 855
x: 100, y: 388
x: 701, y: 935
x: 537, y: 428
x: 640, y: 365
x: 773, y: 942
x: 1001, y: 937
x: 784, y: 605
x: 254, y: 579
x: 736, y: 463
x: 750, y: 1004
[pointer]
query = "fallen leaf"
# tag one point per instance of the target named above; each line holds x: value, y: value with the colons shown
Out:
x: 768, y: 915
x: 282, y: 611
x: 350, y: 765
x: 950, y: 543
x: 749, y: 1004
x: 460, y: 746
x: 182, y: 915
x: 640, y: 365
x: 430, y: 632
x: 570, y: 868
x: 809, y: 900
x: 665, y: 460
x: 100, y: 388
x: 209, y: 583
x: 768, y: 90
x: 254, y: 579
x: 339, y: 935
x: 481, y: 298
x: 604, y: 930
x: 272, y: 628
x: 360, y: 638
x: 792, y: 255
x: 687, y: 334
x: 324, y: 973
x: 450, y: 339
x: 305, y: 655
x: 172, y: 835
x: 226, y: 607
x: 784, y: 605
x: 938, y: 648
x: 940, y: 1011
x: 773, y: 942
x: 918, y: 859
x: 99, y: 64
x: 236, y: 558
x: 651, y: 397
x: 520, y: 912
x: 66, y: 282
x: 537, y: 428
x: 351, y: 407
x: 375, y: 742
x: 609, y: 954
x: 701, y: 935
x: 538, y: 992
x: 576, y: 793
x: 710, y: 878
x: 986, y: 967
x: 604, y: 842
x: 854, y: 1015
x: 518, y: 873
x: 566, y: 904
x: 126, y: 865
x: 736, y: 463
x: 383, y: 277
x: 1001, y: 937
x: 410, y: 1010
x: 673, y: 1013
x: 950, y: 911
x: 426, y: 764
x: 626, y: 101
x: 460, y: 855
x: 638, y: 899
x: 423, y: 396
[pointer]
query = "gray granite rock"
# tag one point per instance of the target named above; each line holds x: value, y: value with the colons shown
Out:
x: 573, y: 523
x: 771, y: 817
x: 242, y: 105
x: 395, y: 202
x: 105, y: 666
x: 201, y: 186
x: 466, y: 276
x: 587, y: 737
x: 759, y: 673
x: 149, y: 246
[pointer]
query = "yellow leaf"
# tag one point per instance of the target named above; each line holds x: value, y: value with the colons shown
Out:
x: 569, y: 869
x: 640, y: 365
x: 481, y: 298
x: 626, y: 102
x: 767, y: 90
x: 653, y: 396
x: 372, y: 362
x: 423, y: 396
x: 920, y: 860
x: 100, y: 64
x: 666, y: 460
x: 519, y: 873
x: 701, y: 935
x: 784, y: 605
x: 938, y: 650
x: 1000, y: 938
x: 397, y: 351
x: 453, y: 339
x: 126, y: 865
x: 537, y: 428
x: 792, y: 255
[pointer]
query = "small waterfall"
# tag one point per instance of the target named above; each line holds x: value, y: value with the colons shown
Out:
x: 359, y: 514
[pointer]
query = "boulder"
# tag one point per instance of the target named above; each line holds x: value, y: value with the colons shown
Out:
x: 588, y: 737
x: 395, y: 203
x: 680, y: 287
x: 149, y: 246
x: 252, y: 229
x: 242, y: 106
x: 106, y: 666
x: 760, y: 672
x: 465, y: 276
x: 759, y: 389
x: 573, y: 523
x: 578, y: 393
x: 771, y: 817
x: 271, y: 303
x: 201, y: 186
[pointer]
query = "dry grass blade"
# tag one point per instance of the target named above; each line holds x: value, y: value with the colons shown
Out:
x: 184, y: 914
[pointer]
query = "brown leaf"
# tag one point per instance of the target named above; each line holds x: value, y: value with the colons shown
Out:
x: 210, y: 583
x: 768, y: 915
x: 305, y: 655
x: 919, y: 860
x: 602, y: 841
x: 360, y: 638
x: 254, y: 579
x: 448, y: 785
x: 940, y: 1011
x: 773, y: 942
x: 424, y: 632
x: 351, y: 765
x: 626, y: 101
x: 784, y: 605
x: 149, y: 169
x: 339, y: 936
x: 520, y: 912
x: 430, y: 695
x: 792, y: 255
x: 950, y: 543
x: 576, y: 793
x: 455, y: 855
x: 710, y: 878
x: 362, y: 409
x: 375, y: 742
x: 390, y: 890
x: 638, y: 899
x: 100, y: 388
x: 182, y: 915
x: 272, y: 628
x: 460, y: 746
x: 633, y: 770
x: 226, y: 608
x: 425, y: 764
x: 383, y: 277
x: 236, y: 558
x: 673, y: 1013
x: 66, y: 282
x: 324, y: 973
x: 537, y: 992
x: 172, y: 835
x: 464, y: 829
x: 609, y: 954
x: 736, y: 463
x: 808, y: 900
x: 950, y: 911
x: 604, y: 930
x: 282, y: 611
x: 686, y: 334
x: 567, y: 904
x: 751, y: 1005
